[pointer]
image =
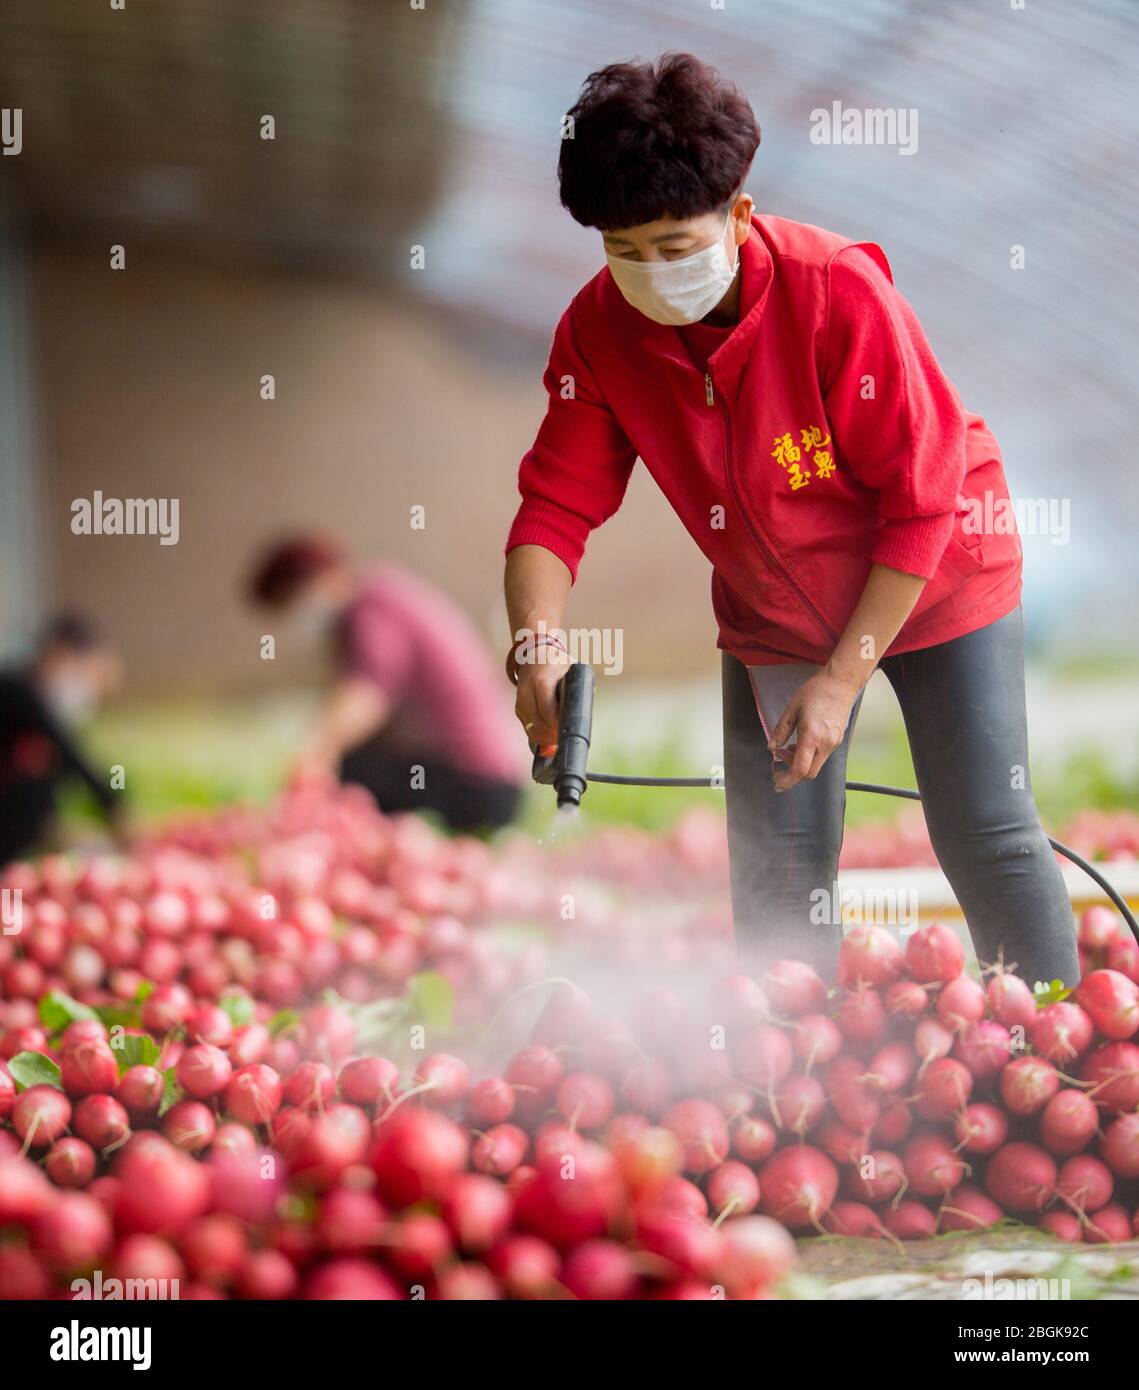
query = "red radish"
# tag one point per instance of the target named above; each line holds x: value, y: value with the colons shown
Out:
x: 910, y: 1221
x: 1099, y: 927
x: 203, y: 1071
x: 478, y: 1210
x: 500, y: 1150
x: 534, y: 1074
x: 1107, y: 1226
x: 147, y: 1257
x: 600, y: 1269
x: 1064, y: 1225
x: 141, y: 1090
x: 683, y: 1239
x: 816, y: 1040
x: 448, y: 1077
x: 41, y: 1116
x: 167, y: 1008
x: 735, y: 1099
x: 189, y: 1125
x: 416, y: 1153
x: 757, y: 1252
x: 609, y: 1048
x: 311, y: 1086
x: 1061, y: 1032
x: 1119, y: 1148
x: 763, y: 1056
x: 249, y: 1045
x: 570, y: 1198
x: 932, y: 1040
x: 1123, y: 955
x: 1112, y: 1072
x: 878, y: 1176
x: 101, y: 1121
x: 906, y: 999
x: 87, y: 1067
x: 981, y: 1128
x: 934, y: 954
x: 527, y: 1267
x: 854, y: 1099
x: 467, y: 1282
x: 209, y: 1023
x: 70, y: 1163
x: 1021, y: 1178
x: 564, y: 1018
x: 892, y: 1067
x: 943, y: 1090
x: 894, y: 1124
x: 83, y: 1030
x: 798, y: 1105
x: 215, y: 1249
x: 419, y: 1245
x: 253, y: 1094
x: 862, y: 1017
x: 677, y: 1195
x: 733, y: 1189
x: 647, y: 1159
x: 331, y: 1144
x: 853, y: 1219
x: 797, y: 1186
x: 1112, y: 1002
x: 840, y: 1142
x: 234, y: 1138
x: 1011, y: 1001
x: 961, y: 1003
x: 1027, y: 1084
x: 369, y: 1080
x: 1085, y: 1183
x: 8, y: 1092
x: 753, y: 1139
x: 585, y: 1100
x: 72, y: 1233
x: 702, y: 1132
x: 794, y: 988
x: 870, y: 955
x: 267, y: 1275
x: 932, y: 1167
x: 490, y: 1102
x: 984, y: 1048
x: 968, y: 1209
x: 1068, y: 1122
x: 352, y: 1279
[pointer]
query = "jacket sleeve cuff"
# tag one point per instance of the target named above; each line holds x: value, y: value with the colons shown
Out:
x: 556, y: 529
x: 914, y: 545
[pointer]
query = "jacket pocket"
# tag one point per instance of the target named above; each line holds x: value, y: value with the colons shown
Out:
x: 963, y: 560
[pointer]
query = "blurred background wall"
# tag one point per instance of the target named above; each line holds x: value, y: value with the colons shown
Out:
x: 438, y: 127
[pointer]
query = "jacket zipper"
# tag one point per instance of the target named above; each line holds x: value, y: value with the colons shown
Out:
x: 773, y: 561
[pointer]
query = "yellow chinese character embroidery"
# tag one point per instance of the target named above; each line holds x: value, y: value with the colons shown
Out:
x: 786, y: 451
x: 798, y: 478
x: 812, y: 437
x: 824, y: 464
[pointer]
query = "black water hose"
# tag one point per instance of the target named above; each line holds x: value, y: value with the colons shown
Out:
x: 878, y: 790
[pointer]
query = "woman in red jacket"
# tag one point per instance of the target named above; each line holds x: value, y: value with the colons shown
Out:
x: 783, y: 395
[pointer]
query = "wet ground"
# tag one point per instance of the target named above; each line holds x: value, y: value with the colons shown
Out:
x: 999, y: 1264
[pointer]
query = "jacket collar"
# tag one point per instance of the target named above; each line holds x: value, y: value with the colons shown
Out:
x: 757, y: 269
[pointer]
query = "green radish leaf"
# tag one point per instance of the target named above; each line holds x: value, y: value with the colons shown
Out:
x: 431, y: 1000
x: 144, y: 991
x: 57, y: 1010
x: 239, y: 1007
x: 136, y: 1050
x: 119, y: 1015
x: 34, y: 1069
x: 171, y: 1091
x: 1054, y: 993
x: 282, y: 1021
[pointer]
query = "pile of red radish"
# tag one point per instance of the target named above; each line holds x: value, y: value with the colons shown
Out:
x: 182, y: 1099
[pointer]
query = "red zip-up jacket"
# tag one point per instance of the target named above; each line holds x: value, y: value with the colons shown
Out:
x: 823, y: 438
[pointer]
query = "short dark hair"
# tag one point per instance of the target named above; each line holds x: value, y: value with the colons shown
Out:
x: 72, y: 631
x: 288, y: 565
x: 670, y: 139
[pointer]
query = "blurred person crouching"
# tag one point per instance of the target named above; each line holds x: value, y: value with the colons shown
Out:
x: 72, y: 671
x: 415, y: 713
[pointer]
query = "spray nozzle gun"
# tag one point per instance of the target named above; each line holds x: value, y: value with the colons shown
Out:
x: 565, y: 769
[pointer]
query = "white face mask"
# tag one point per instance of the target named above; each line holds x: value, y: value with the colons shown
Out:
x: 71, y: 699
x: 677, y: 292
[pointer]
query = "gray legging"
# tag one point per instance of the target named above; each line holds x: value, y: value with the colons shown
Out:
x: 963, y: 706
